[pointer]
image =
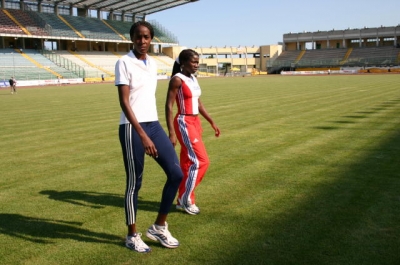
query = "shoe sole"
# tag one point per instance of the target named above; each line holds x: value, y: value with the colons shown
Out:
x: 155, y: 238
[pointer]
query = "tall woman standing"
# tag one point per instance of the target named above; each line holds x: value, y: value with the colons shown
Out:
x: 140, y: 133
x: 186, y: 127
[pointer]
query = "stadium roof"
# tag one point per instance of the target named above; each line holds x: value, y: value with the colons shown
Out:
x: 140, y: 7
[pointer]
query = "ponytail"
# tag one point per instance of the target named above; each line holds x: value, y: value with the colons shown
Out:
x: 176, y: 68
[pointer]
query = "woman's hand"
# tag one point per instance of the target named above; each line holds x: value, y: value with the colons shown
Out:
x: 216, y: 129
x: 149, y: 147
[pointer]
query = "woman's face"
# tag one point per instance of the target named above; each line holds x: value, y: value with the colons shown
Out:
x: 141, y: 40
x: 192, y: 65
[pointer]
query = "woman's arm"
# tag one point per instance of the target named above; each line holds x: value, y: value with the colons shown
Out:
x: 205, y: 114
x: 173, y: 87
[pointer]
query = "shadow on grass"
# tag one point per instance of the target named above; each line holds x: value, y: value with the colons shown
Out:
x: 355, y: 116
x: 47, y: 231
x: 86, y: 198
x: 326, y: 127
x: 384, y: 106
x: 344, y: 122
x: 96, y: 200
x: 352, y: 217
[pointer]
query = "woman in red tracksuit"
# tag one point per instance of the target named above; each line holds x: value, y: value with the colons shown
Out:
x: 186, y: 127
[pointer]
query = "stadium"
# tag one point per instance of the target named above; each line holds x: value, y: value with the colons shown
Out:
x: 306, y: 170
x: 81, y: 40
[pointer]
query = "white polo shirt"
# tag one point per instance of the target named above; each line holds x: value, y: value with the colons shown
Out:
x: 142, y: 81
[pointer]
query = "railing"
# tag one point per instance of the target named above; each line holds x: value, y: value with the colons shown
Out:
x: 64, y: 63
x: 164, y: 32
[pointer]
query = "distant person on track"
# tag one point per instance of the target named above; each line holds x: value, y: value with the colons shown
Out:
x: 13, y: 85
x: 186, y: 127
x: 140, y: 133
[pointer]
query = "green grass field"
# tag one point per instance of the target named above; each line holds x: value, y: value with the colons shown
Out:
x: 306, y: 171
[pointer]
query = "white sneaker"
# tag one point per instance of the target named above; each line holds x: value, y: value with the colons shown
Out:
x: 136, y: 243
x: 163, y: 236
x: 189, y: 208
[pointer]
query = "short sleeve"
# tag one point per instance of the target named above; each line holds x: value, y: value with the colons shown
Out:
x: 121, y: 75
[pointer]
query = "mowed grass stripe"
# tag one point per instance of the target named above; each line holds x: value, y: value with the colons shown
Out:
x: 305, y: 170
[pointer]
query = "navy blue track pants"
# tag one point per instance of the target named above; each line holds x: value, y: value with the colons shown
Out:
x: 134, y: 154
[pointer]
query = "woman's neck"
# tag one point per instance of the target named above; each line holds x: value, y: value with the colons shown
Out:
x: 139, y: 56
x: 188, y: 74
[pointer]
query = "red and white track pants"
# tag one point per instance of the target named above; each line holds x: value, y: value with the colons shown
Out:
x: 193, y: 157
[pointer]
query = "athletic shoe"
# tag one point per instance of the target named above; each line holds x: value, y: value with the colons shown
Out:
x: 189, y: 208
x: 136, y: 243
x: 162, y: 235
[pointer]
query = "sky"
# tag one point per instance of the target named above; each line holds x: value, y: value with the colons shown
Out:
x: 236, y: 23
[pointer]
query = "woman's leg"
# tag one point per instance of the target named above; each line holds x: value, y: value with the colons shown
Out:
x: 169, y: 162
x: 194, y: 160
x: 133, y: 155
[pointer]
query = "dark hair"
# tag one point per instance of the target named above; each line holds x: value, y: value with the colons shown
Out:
x: 142, y: 23
x: 184, y: 56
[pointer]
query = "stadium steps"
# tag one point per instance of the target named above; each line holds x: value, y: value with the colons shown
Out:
x: 161, y: 60
x: 25, y: 30
x: 64, y: 68
x: 57, y: 26
x: 117, y: 54
x: 346, y: 56
x: 91, y: 64
x: 7, y: 25
x: 36, y: 63
x: 157, y: 39
x: 69, y: 25
x: 29, y: 22
x: 89, y: 71
x: 161, y: 35
x: 122, y: 27
x: 116, y: 32
x: 300, y: 56
x: 103, y: 60
x: 92, y: 28
x: 164, y: 63
x: 373, y: 56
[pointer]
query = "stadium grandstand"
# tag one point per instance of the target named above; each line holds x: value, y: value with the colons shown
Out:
x: 69, y: 39
x: 363, y: 49
x: 82, y: 40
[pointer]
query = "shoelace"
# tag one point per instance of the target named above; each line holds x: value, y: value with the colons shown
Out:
x: 138, y: 240
x: 167, y: 234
